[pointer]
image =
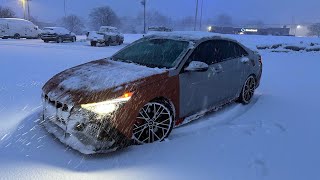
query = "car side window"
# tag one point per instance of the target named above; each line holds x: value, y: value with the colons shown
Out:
x: 225, y: 50
x: 204, y: 53
x: 238, y: 51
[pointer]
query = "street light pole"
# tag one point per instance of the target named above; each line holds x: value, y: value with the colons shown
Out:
x: 23, y: 2
x: 201, y: 14
x: 196, y: 16
x: 144, y: 3
x: 29, y: 16
x: 64, y: 7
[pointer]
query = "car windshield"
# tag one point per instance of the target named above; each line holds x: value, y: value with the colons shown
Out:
x: 162, y: 53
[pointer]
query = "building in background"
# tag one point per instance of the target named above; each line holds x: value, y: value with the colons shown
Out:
x: 284, y: 31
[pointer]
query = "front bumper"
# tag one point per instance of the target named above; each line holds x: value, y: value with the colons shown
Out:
x: 81, y: 130
x: 49, y: 37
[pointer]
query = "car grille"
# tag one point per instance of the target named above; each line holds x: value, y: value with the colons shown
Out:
x: 48, y: 35
x: 57, y: 104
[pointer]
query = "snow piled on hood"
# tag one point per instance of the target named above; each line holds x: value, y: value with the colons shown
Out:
x: 105, y: 74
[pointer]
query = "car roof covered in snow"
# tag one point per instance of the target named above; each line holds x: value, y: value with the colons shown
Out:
x: 54, y: 28
x: 187, y: 35
x: 15, y: 19
x: 108, y: 27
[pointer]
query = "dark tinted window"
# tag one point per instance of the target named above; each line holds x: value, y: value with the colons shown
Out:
x: 238, y: 51
x: 216, y: 51
x: 203, y: 53
x: 226, y: 50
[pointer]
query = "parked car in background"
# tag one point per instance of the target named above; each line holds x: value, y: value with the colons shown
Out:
x: 107, y: 35
x: 18, y: 28
x: 57, y: 34
x: 142, y: 92
x: 159, y: 29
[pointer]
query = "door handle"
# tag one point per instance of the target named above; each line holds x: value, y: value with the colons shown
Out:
x: 218, y: 69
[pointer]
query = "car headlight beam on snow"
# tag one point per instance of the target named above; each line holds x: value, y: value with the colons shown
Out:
x: 107, y: 107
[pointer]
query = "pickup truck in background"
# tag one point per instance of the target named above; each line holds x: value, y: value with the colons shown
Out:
x: 107, y: 35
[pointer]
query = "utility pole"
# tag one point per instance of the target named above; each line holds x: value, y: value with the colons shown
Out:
x: 201, y: 15
x: 23, y: 2
x: 196, y: 16
x: 144, y: 3
x: 64, y: 7
x: 29, y: 16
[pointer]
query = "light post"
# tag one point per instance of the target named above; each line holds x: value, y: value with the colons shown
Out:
x: 201, y: 15
x: 25, y: 5
x: 29, y: 16
x: 23, y: 2
x: 64, y: 7
x: 144, y: 3
x: 196, y: 16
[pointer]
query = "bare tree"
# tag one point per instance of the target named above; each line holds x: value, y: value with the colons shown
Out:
x: 6, y: 12
x: 224, y: 20
x: 155, y: 18
x: 103, y: 16
x: 314, y: 30
x: 73, y: 23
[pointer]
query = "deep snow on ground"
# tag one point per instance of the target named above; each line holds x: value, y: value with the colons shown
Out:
x: 275, y: 137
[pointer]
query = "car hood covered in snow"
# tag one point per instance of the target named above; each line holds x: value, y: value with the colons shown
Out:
x: 99, y: 80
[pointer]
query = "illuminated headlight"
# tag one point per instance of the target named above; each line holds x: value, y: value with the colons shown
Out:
x: 107, y: 107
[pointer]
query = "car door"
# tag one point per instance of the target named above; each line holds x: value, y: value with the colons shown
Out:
x: 201, y: 90
x: 233, y: 67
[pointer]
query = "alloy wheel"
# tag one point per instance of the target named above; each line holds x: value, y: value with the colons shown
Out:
x: 248, y: 89
x: 153, y: 124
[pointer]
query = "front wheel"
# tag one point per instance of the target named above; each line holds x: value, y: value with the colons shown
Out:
x: 59, y: 40
x: 248, y: 90
x: 153, y: 123
x: 74, y: 39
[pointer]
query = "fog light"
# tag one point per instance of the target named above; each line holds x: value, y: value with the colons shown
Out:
x: 79, y: 127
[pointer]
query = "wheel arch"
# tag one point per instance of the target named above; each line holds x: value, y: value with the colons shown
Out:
x: 168, y: 103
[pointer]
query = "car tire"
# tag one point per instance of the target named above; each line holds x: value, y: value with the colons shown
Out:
x: 156, y: 129
x: 17, y: 36
x: 93, y: 43
x: 248, y: 90
x: 108, y: 42
x: 74, y: 39
x: 46, y: 41
x: 59, y: 40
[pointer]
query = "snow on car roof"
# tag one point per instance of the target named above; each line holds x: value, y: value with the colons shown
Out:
x: 185, y: 35
x: 53, y: 28
x: 17, y: 19
x: 109, y: 27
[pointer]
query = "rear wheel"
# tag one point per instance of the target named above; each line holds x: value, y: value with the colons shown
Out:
x: 248, y: 90
x: 17, y: 36
x: 46, y: 41
x: 93, y: 43
x: 154, y: 123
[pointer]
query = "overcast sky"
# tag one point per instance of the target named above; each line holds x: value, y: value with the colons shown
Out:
x: 269, y: 11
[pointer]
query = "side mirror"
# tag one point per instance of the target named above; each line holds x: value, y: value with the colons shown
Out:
x: 197, y: 66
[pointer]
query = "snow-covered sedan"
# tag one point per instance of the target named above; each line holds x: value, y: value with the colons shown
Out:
x: 142, y: 92
x: 57, y: 34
